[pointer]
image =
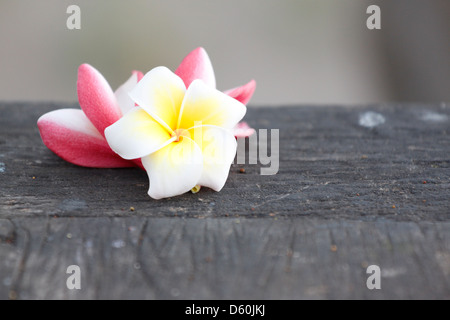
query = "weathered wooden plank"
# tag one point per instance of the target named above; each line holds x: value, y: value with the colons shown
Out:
x: 223, y: 258
x: 346, y: 196
x: 326, y: 160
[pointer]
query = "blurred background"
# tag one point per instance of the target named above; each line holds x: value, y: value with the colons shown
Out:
x: 298, y: 51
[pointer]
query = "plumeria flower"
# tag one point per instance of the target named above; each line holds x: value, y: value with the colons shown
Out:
x: 183, y: 135
x: 77, y: 136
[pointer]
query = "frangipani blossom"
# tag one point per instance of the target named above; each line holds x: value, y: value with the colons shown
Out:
x: 77, y: 135
x: 182, y: 135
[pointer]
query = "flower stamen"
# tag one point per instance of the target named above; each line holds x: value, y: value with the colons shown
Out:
x: 180, y: 133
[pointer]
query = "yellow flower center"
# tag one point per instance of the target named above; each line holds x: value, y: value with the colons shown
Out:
x: 180, y: 133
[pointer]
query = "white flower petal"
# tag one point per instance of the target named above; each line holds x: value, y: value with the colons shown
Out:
x: 210, y: 106
x: 174, y: 169
x: 160, y: 93
x: 122, y: 94
x: 218, y: 150
x: 136, y: 135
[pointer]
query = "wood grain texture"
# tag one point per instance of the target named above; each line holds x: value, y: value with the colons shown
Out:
x: 345, y: 197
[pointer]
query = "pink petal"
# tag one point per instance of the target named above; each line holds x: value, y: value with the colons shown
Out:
x: 138, y: 163
x: 96, y: 98
x: 70, y: 134
x: 242, y: 130
x: 196, y: 65
x: 243, y: 93
x: 139, y: 74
